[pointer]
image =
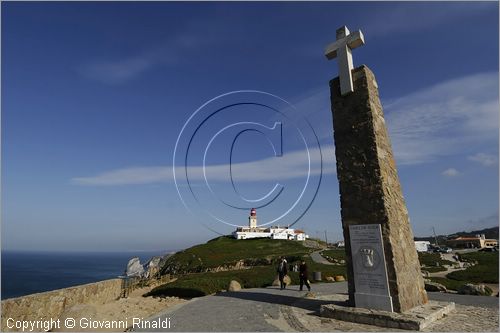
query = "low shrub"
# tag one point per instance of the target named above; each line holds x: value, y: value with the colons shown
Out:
x: 448, y: 283
x: 201, y: 284
x: 432, y: 260
x: 485, y: 271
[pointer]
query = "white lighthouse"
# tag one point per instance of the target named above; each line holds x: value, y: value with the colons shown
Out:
x: 252, y: 219
x: 273, y: 232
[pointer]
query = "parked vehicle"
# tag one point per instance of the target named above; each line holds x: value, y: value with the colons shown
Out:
x: 443, y: 250
x: 447, y: 250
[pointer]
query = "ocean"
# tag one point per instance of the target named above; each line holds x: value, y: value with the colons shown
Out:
x: 25, y: 273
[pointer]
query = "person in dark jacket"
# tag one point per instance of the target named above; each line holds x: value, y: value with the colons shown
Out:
x: 303, y: 276
x: 282, y: 272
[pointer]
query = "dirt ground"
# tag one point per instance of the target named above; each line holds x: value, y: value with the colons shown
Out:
x: 95, y: 317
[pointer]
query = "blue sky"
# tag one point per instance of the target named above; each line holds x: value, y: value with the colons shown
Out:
x: 94, y: 96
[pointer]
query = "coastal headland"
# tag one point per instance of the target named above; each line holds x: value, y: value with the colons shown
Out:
x: 208, y: 270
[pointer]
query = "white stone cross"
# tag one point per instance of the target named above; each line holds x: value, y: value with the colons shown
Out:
x: 341, y: 49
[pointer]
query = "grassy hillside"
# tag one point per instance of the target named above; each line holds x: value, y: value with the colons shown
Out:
x: 432, y: 262
x: 226, y: 251
x: 201, y: 284
x: 191, y: 266
x: 485, y: 271
x: 333, y: 255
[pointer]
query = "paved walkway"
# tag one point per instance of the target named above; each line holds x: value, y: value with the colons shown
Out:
x: 271, y: 309
x: 317, y: 257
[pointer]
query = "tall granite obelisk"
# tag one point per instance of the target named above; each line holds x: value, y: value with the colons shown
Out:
x: 383, y: 270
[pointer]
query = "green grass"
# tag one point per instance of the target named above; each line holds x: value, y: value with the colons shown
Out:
x: 190, y: 265
x: 434, y: 269
x: 333, y: 254
x: 227, y: 251
x: 201, y: 284
x: 448, y: 283
x: 430, y: 260
x: 485, y: 271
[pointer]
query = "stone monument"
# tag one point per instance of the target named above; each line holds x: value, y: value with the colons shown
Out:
x: 382, y: 264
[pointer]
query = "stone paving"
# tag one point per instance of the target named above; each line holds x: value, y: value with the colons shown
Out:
x: 463, y: 319
x: 271, y: 310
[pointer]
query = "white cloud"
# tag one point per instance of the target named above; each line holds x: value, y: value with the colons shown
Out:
x: 451, y: 172
x: 442, y: 119
x: 289, y: 166
x: 127, y: 176
x: 484, y: 159
x: 437, y: 121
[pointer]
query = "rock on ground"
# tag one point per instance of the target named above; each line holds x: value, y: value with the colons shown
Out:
x: 234, y: 286
x: 474, y: 289
x: 287, y: 280
x: 425, y: 274
x: 434, y: 286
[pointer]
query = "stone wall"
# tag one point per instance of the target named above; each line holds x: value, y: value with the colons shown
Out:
x: 370, y: 191
x: 51, y: 304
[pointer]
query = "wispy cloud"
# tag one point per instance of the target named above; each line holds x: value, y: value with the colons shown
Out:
x: 491, y: 220
x: 127, y: 176
x: 451, y: 172
x: 443, y: 119
x: 289, y: 166
x: 122, y: 69
x: 409, y: 17
x: 119, y: 70
x: 484, y: 159
x: 437, y: 121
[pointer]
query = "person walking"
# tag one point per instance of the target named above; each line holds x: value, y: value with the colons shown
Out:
x: 282, y: 272
x: 303, y: 276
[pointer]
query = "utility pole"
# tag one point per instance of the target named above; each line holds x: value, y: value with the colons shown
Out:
x: 435, y: 237
x: 326, y: 239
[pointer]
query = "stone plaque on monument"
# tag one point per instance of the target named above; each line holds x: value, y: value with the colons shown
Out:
x: 370, y: 273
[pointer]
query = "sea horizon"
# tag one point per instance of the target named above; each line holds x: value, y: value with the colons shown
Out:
x: 26, y: 272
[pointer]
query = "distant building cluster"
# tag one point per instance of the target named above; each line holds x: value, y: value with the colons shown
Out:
x: 476, y: 242
x: 274, y: 232
x: 479, y: 241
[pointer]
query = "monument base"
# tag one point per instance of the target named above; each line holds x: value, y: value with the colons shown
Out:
x: 374, y: 302
x: 416, y: 319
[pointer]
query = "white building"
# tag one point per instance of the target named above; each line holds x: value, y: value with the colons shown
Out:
x: 422, y: 246
x: 274, y: 232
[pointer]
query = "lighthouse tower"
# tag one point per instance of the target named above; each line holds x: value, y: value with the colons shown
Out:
x: 252, y: 219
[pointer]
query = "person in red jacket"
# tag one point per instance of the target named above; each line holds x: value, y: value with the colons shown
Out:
x: 303, y: 276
